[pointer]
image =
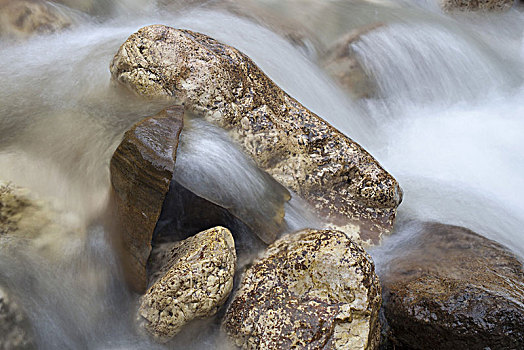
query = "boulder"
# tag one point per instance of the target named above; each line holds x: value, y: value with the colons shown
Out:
x: 476, y: 5
x: 344, y: 183
x: 15, y: 331
x: 141, y: 170
x: 312, y: 290
x: 341, y: 63
x: 192, y: 279
x: 23, y: 18
x: 150, y: 203
x: 450, y: 288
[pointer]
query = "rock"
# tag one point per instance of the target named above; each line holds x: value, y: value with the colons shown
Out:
x: 312, y: 290
x: 342, y: 65
x: 346, y: 185
x: 23, y: 18
x: 450, y: 288
x: 40, y: 221
x: 15, y: 331
x: 141, y: 171
x: 192, y: 279
x: 476, y: 5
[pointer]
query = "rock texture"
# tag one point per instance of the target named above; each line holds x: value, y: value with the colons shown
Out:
x: 23, y: 18
x: 192, y: 279
x: 342, y: 65
x: 15, y: 333
x: 476, y: 5
x: 141, y: 171
x: 311, y: 290
x: 346, y: 185
x: 453, y: 289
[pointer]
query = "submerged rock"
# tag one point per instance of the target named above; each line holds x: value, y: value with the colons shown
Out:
x: 453, y: 289
x: 15, y: 331
x: 476, y: 5
x: 23, y: 18
x: 141, y: 171
x: 192, y: 279
x: 311, y: 290
x: 346, y: 185
x: 341, y: 63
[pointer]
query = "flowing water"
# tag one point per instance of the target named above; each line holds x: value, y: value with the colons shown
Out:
x: 447, y: 122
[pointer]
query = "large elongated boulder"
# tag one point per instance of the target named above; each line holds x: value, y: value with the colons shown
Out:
x: 192, y: 279
x: 450, y: 288
x: 141, y: 171
x: 311, y: 290
x: 346, y: 185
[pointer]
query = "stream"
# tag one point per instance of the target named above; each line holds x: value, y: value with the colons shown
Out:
x: 447, y: 122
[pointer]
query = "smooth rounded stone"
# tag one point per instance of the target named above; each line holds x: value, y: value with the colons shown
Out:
x: 312, y: 290
x: 15, y: 331
x: 23, y: 18
x: 192, y: 279
x: 476, y: 5
x: 341, y: 63
x: 141, y: 170
x: 344, y: 183
x: 450, y: 288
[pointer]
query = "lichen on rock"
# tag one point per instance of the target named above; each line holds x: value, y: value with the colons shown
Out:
x: 343, y: 182
x: 15, y: 331
x: 191, y: 279
x: 311, y: 290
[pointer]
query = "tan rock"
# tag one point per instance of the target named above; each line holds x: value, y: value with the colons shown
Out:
x: 141, y: 171
x: 345, y: 184
x: 310, y: 290
x: 341, y: 63
x: 193, y: 278
x: 477, y: 5
x: 449, y: 288
x: 15, y: 331
x: 23, y: 18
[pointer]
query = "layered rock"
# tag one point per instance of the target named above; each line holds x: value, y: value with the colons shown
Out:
x: 311, y: 290
x: 453, y: 289
x: 15, y: 332
x: 23, y: 18
x: 192, y: 279
x: 341, y: 63
x: 346, y: 185
x: 141, y: 171
x: 476, y: 5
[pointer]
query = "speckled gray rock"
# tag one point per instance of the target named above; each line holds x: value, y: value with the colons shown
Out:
x: 192, y: 279
x: 15, y: 332
x: 310, y: 290
x: 449, y: 288
x: 23, y: 18
x: 341, y: 63
x: 345, y: 184
x: 477, y: 5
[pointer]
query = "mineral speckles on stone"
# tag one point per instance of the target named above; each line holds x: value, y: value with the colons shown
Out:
x: 303, y: 152
x: 476, y: 5
x: 141, y: 171
x: 312, y: 290
x: 194, y: 277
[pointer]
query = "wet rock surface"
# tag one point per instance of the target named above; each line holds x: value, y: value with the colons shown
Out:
x: 453, y: 289
x: 23, y: 18
x: 345, y: 184
x: 477, y: 5
x: 141, y: 171
x: 15, y: 331
x: 341, y: 63
x: 191, y: 279
x: 310, y: 290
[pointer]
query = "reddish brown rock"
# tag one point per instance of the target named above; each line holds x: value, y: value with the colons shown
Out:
x: 344, y: 183
x: 450, y: 288
x: 141, y: 171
